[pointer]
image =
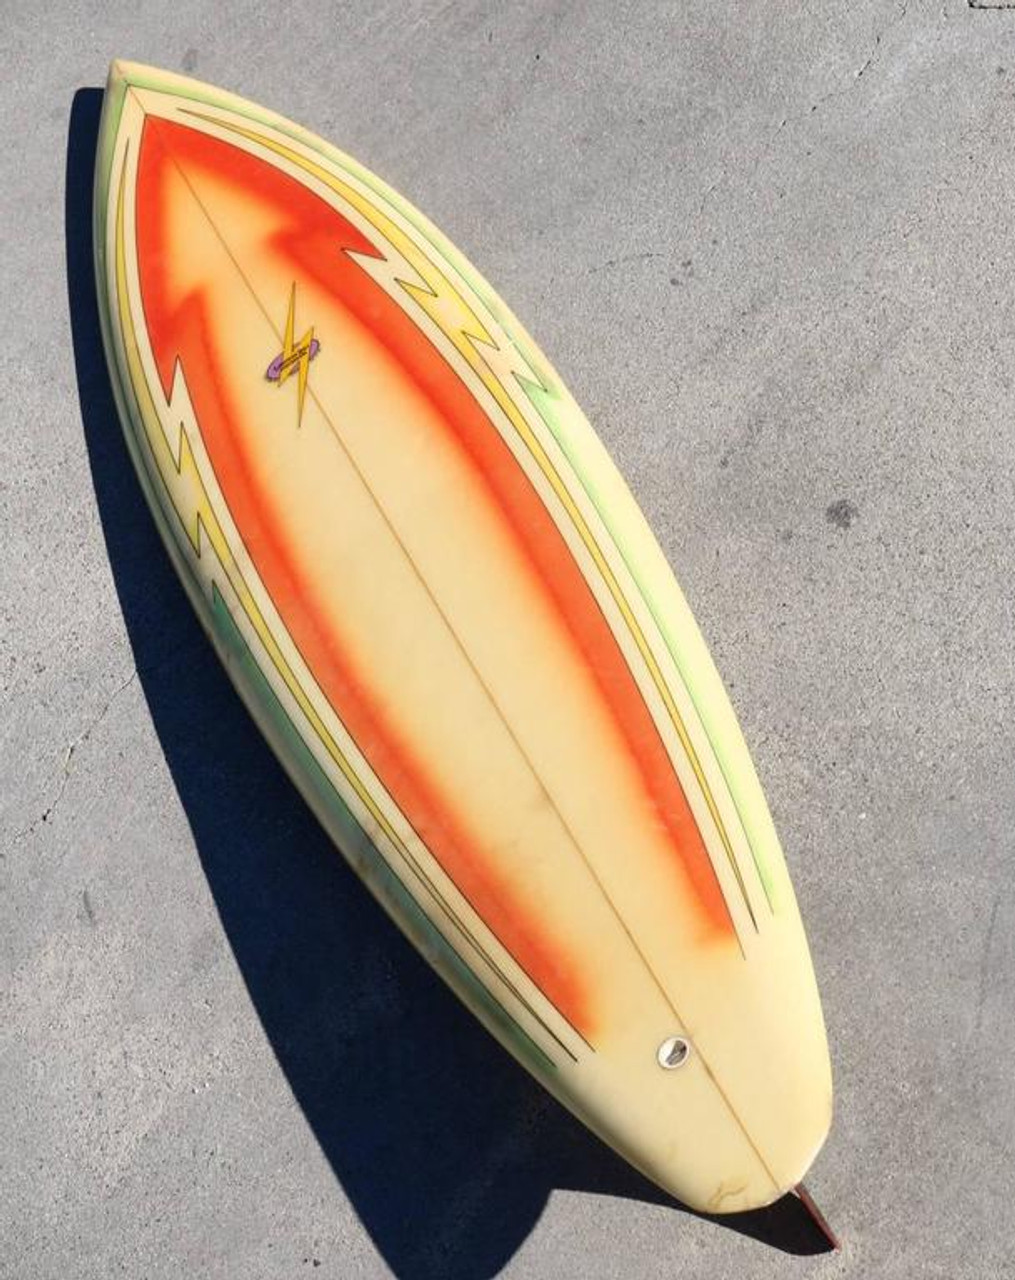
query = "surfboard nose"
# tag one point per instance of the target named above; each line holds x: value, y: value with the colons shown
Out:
x: 119, y: 71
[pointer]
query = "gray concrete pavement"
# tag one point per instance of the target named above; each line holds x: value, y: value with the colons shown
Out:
x: 770, y: 247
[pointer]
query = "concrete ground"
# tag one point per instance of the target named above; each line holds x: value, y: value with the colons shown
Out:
x: 770, y: 247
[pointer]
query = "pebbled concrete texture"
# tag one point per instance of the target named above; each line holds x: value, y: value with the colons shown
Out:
x: 771, y: 251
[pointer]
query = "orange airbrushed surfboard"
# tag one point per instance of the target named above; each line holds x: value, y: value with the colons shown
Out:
x: 447, y: 614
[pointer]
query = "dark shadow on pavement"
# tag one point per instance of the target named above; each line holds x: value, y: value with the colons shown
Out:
x: 446, y: 1148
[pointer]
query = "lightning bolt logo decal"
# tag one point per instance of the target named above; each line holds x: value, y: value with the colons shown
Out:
x: 294, y: 357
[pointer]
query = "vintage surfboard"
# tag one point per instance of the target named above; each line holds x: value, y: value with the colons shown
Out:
x: 448, y: 616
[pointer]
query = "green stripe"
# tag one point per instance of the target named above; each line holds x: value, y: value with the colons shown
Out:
x: 542, y: 400
x: 285, y: 739
x: 540, y: 391
x: 361, y: 852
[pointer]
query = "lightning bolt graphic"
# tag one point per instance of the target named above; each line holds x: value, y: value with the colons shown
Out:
x: 295, y: 356
x: 502, y: 367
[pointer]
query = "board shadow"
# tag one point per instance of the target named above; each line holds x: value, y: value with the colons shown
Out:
x: 446, y: 1148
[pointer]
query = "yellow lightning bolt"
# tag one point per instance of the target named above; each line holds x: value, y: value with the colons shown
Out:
x: 296, y: 356
x: 495, y: 364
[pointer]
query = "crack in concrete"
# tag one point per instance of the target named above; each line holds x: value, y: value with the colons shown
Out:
x: 841, y: 92
x: 872, y: 56
x: 68, y: 759
x: 707, y: 193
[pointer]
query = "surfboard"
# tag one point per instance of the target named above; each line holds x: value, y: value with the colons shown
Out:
x: 447, y: 614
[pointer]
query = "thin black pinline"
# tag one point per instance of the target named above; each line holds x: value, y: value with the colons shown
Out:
x: 713, y: 806
x: 521, y: 379
x: 482, y: 683
x: 403, y: 851
x: 430, y: 888
x: 357, y: 471
x: 587, y: 536
x: 417, y: 573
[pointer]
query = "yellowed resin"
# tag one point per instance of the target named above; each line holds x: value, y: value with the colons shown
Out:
x: 410, y: 570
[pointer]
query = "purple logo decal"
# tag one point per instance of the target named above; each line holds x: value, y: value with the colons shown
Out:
x: 283, y: 363
x: 294, y: 357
